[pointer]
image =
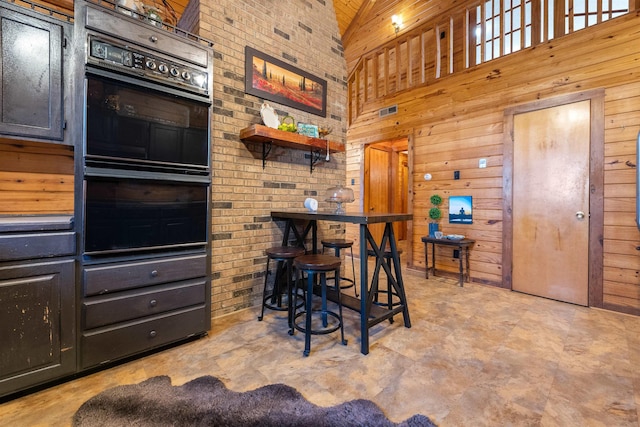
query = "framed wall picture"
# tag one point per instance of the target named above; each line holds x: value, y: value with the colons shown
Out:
x: 460, y: 210
x: 275, y: 80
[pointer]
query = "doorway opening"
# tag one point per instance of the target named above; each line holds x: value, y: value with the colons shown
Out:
x: 387, y: 172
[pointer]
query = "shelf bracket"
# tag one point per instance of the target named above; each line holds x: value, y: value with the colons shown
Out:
x: 315, y: 157
x: 265, y: 153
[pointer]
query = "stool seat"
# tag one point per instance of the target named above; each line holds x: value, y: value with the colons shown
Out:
x: 317, y: 262
x: 284, y: 252
x: 337, y: 243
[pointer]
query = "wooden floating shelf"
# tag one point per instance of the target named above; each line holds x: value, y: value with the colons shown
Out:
x: 264, y: 134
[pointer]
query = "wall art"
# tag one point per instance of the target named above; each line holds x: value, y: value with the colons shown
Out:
x: 275, y: 80
x: 460, y: 210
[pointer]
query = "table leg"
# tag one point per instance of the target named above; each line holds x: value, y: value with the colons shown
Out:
x: 426, y: 259
x: 433, y: 258
x: 314, y: 236
x: 364, y: 292
x: 468, y: 271
x: 398, y: 280
x: 461, y: 255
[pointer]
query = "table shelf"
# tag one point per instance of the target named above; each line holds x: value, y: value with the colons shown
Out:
x: 267, y: 136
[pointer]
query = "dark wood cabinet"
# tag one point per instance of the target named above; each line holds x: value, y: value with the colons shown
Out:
x: 136, y: 305
x: 31, y: 74
x: 37, y: 307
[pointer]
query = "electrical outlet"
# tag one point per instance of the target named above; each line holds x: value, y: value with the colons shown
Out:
x: 456, y: 253
x: 456, y: 174
x: 482, y: 163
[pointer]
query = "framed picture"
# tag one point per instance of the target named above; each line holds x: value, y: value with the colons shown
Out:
x: 308, y: 130
x: 277, y: 81
x: 460, y: 210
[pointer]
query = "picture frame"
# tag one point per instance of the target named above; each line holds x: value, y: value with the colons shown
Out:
x: 460, y: 210
x: 308, y: 130
x: 275, y: 80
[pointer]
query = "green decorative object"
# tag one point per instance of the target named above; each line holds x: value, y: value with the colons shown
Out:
x: 434, y: 214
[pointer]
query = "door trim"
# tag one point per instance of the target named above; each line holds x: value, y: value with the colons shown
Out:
x: 596, y: 187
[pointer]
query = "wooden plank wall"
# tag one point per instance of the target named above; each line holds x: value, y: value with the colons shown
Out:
x: 35, y: 178
x: 458, y: 119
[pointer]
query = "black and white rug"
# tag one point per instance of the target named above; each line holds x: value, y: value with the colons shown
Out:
x: 205, y: 401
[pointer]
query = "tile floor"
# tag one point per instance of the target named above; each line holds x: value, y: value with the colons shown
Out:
x: 474, y: 356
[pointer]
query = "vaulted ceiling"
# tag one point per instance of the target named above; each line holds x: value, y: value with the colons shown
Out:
x: 346, y: 10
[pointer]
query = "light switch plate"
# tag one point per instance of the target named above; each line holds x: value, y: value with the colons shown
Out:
x: 482, y: 163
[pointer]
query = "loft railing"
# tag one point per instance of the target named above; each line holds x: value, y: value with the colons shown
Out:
x: 476, y: 33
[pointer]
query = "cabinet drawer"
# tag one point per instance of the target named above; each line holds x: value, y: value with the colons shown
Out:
x: 106, y: 310
x: 117, y: 277
x: 108, y: 344
x: 38, y: 245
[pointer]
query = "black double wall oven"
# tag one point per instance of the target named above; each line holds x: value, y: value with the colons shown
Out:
x: 146, y: 152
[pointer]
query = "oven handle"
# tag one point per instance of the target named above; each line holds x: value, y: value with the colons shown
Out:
x: 146, y: 84
x: 136, y: 174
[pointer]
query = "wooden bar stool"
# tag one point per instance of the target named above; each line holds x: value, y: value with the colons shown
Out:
x: 338, y: 244
x: 317, y: 265
x: 273, y: 300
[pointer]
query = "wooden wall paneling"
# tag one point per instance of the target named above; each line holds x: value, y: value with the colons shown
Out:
x: 558, y: 18
x: 35, y: 178
x: 378, y: 81
x: 414, y: 59
x: 402, y: 59
x: 621, y: 269
x: 452, y: 117
x: 596, y: 199
x: 391, y: 71
x: 430, y: 54
x: 458, y: 43
x: 470, y: 36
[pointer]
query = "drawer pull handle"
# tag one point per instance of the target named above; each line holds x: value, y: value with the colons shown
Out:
x: 154, y: 273
x: 153, y: 303
x: 153, y: 334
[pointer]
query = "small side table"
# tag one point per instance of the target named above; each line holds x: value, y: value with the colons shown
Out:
x: 462, y: 245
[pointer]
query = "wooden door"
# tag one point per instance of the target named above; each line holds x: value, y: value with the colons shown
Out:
x: 551, y: 150
x: 376, y: 184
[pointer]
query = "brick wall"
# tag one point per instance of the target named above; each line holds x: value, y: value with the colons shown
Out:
x: 305, y: 35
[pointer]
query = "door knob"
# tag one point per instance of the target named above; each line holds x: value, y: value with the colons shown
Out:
x: 580, y: 215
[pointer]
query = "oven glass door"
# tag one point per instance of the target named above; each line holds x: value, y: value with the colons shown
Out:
x: 139, y: 125
x: 124, y: 214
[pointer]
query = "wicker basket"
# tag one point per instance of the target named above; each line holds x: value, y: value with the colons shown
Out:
x: 288, y: 120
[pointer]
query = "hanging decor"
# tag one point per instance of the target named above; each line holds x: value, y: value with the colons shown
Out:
x: 460, y: 210
x: 275, y: 80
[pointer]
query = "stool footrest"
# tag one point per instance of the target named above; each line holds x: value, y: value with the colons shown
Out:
x: 316, y: 330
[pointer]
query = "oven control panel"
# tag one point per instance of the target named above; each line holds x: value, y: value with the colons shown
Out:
x: 126, y: 59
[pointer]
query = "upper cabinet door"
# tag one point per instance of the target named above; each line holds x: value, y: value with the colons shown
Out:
x: 31, y: 92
